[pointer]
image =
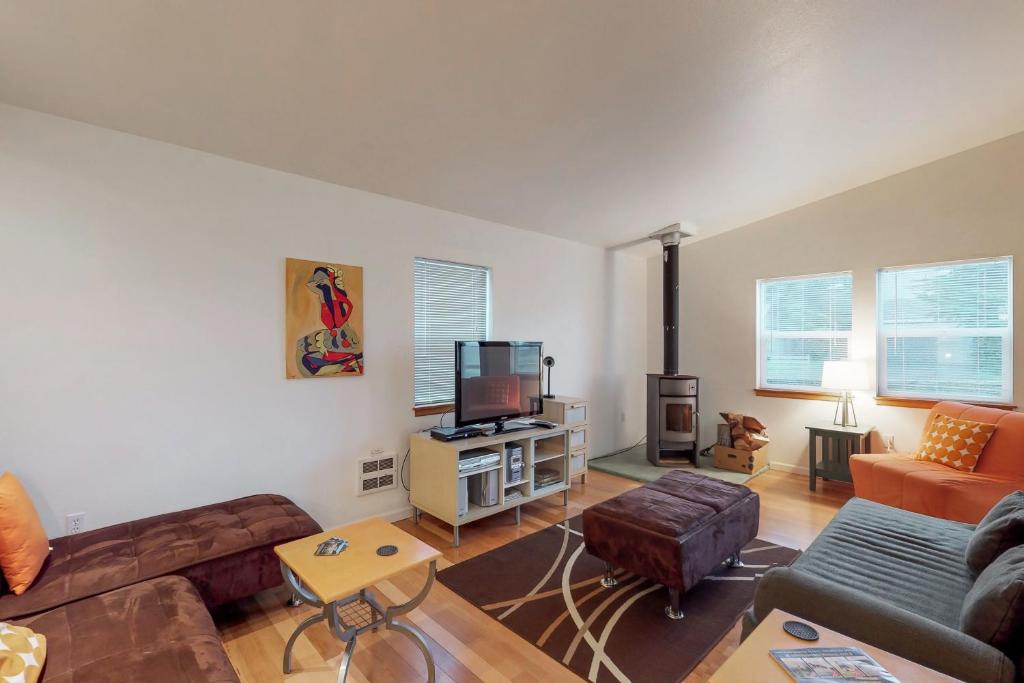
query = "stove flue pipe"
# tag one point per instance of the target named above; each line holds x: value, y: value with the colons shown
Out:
x: 669, y: 238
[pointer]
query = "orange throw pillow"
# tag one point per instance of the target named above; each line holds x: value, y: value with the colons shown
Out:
x: 955, y: 443
x: 23, y: 543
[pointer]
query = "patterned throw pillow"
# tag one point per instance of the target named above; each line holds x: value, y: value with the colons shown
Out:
x: 955, y: 443
x: 22, y: 654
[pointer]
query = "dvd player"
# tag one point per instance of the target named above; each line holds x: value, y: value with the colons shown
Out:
x: 478, y: 458
x: 453, y: 433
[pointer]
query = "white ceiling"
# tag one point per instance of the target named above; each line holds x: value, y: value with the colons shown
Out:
x: 594, y: 120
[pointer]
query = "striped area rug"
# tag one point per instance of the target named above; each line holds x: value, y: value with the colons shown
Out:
x: 546, y: 588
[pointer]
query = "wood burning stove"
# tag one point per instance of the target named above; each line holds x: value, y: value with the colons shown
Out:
x: 673, y: 400
x: 673, y: 427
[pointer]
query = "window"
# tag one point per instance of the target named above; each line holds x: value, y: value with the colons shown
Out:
x: 802, y: 322
x: 452, y: 304
x: 945, y: 331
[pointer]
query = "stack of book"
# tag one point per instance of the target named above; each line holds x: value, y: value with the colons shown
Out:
x: 546, y: 476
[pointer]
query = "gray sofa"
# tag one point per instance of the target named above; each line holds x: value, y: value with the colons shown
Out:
x: 893, y: 579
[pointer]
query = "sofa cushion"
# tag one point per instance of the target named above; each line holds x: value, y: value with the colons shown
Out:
x: 928, y: 487
x: 98, y: 561
x: 1001, y: 529
x: 955, y: 443
x: 23, y: 543
x: 993, y: 610
x: 908, y: 560
x: 157, y: 630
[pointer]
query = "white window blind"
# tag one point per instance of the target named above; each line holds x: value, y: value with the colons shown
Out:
x: 945, y: 331
x: 452, y: 304
x: 802, y: 322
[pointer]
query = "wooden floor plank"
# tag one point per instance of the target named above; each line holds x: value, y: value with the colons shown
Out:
x: 468, y: 646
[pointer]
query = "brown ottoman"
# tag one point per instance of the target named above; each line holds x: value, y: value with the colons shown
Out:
x: 675, y: 530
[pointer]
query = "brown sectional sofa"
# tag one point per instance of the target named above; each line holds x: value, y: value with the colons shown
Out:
x: 129, y: 602
x: 157, y: 630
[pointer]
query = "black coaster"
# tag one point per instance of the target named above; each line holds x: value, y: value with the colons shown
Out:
x: 799, y: 629
x: 386, y: 550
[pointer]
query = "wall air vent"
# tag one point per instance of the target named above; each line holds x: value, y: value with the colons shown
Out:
x: 377, y: 473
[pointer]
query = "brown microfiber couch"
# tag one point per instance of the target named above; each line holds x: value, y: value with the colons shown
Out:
x: 129, y: 602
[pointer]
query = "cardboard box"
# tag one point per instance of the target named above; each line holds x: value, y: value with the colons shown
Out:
x: 735, y: 460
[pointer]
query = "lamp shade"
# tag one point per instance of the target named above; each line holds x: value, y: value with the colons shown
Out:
x: 844, y: 375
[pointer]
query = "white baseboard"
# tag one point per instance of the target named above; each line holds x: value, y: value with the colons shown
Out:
x: 786, y: 467
x: 399, y: 514
x: 395, y: 515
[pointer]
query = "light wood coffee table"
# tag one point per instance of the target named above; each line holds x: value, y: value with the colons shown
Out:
x: 336, y: 584
x: 752, y: 662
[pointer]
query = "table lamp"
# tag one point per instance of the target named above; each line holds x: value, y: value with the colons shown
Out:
x: 844, y: 376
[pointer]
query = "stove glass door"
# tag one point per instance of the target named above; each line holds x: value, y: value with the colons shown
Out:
x: 678, y: 419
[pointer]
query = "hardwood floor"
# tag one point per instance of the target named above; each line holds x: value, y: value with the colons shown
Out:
x: 468, y: 645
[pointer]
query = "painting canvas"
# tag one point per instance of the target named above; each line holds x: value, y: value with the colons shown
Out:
x: 323, y: 319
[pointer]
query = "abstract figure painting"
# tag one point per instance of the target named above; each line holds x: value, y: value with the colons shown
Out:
x: 323, y: 319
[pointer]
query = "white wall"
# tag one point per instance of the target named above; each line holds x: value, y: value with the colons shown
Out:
x: 965, y: 206
x: 143, y: 331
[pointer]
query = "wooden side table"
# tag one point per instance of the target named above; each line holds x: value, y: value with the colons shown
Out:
x: 837, y: 445
x: 752, y: 662
x: 339, y: 584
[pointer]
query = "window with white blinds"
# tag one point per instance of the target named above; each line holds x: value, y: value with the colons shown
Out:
x: 945, y: 331
x: 802, y: 322
x: 452, y: 304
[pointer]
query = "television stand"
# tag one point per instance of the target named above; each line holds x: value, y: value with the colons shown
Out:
x: 435, y: 480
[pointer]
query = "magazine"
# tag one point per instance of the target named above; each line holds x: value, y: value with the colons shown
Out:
x: 831, y: 665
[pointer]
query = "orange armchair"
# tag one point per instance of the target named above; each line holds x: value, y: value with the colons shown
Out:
x: 932, y: 489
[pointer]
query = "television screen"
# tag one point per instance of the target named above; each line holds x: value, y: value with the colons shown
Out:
x: 495, y: 381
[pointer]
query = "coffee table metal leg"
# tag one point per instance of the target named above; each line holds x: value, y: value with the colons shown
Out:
x: 345, y: 634
x: 315, y: 619
x: 413, y: 633
x: 346, y: 659
x: 408, y: 629
x: 299, y: 595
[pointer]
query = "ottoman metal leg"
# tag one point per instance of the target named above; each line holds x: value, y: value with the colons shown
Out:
x: 609, y: 581
x: 672, y: 610
x: 734, y: 561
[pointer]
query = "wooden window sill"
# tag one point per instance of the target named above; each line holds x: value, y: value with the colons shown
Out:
x: 928, y: 404
x: 435, y: 409
x: 805, y: 395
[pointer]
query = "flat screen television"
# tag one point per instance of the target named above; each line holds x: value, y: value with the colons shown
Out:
x: 497, y: 381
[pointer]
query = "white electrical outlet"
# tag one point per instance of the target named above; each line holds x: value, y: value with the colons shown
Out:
x: 75, y: 523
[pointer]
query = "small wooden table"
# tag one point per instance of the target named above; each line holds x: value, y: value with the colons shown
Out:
x: 752, y: 662
x: 334, y: 582
x: 837, y: 445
